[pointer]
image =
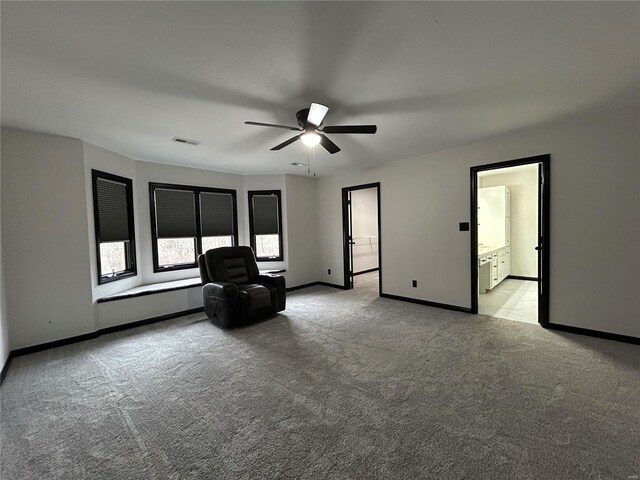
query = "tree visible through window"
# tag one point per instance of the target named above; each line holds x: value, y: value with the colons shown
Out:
x: 176, y: 251
x: 113, y: 258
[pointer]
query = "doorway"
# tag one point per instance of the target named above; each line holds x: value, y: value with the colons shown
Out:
x: 510, y: 239
x: 361, y: 237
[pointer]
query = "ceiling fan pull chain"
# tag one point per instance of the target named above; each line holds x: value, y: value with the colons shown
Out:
x: 313, y: 154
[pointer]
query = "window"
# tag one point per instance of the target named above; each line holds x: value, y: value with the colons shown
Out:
x: 217, y: 219
x: 265, y: 225
x: 113, y: 216
x: 187, y: 221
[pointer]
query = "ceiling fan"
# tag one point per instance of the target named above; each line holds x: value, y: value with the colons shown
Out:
x: 309, y: 122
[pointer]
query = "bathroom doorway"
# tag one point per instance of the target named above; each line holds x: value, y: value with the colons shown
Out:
x: 361, y: 237
x: 510, y: 239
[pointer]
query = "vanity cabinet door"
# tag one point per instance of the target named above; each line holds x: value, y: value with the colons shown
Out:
x: 501, y: 269
x: 507, y: 231
x: 507, y: 201
x: 504, y: 263
x: 507, y: 263
x: 494, y: 272
x: 494, y: 216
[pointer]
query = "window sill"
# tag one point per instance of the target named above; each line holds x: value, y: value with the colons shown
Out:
x: 115, y: 278
x: 173, y: 268
x: 151, y: 288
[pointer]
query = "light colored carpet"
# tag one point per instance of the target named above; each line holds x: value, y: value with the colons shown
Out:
x: 344, y: 385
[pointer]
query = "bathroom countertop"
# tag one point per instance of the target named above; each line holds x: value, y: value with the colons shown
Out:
x: 486, y: 249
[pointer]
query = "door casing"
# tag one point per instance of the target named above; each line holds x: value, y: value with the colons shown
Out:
x: 346, y: 235
x: 543, y: 229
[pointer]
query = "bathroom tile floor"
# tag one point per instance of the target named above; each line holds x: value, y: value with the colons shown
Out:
x: 511, y: 299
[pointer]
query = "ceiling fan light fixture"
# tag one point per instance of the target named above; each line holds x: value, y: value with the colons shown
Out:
x: 309, y: 121
x: 316, y: 114
x: 310, y: 139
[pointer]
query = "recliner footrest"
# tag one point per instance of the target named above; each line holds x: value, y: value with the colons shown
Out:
x: 259, y: 296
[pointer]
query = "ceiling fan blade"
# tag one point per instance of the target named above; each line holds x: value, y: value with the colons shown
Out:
x: 316, y: 114
x: 260, y: 124
x: 351, y: 129
x: 288, y: 142
x: 329, y: 145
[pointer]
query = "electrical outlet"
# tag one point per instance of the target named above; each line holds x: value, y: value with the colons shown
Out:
x: 414, y: 283
x: 329, y: 271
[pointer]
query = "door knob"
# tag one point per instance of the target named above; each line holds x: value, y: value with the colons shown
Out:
x: 538, y: 247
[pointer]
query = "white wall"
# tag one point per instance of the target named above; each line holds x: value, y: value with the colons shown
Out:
x: 45, y: 238
x: 364, y: 229
x: 303, y: 238
x: 128, y: 310
x: 419, y: 215
x: 523, y: 182
x: 595, y: 228
x: 4, y: 324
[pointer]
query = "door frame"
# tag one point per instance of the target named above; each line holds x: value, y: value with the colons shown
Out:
x: 346, y: 246
x: 543, y: 229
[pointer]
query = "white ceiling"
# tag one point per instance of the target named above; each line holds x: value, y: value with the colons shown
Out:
x: 129, y: 76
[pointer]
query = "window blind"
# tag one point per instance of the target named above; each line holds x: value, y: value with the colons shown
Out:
x: 265, y: 215
x: 216, y: 214
x: 113, y: 214
x: 175, y: 213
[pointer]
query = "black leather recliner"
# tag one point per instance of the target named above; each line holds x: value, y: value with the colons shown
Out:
x: 233, y: 290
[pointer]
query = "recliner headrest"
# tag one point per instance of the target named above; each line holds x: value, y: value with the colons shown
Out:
x: 230, y: 264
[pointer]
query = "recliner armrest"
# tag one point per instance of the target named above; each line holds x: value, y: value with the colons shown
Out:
x: 278, y: 282
x: 220, y: 289
x: 221, y: 301
x: 272, y: 279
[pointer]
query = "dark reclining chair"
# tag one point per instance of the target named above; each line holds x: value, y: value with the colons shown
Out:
x: 233, y: 290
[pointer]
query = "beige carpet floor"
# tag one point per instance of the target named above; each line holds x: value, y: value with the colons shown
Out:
x: 343, y: 385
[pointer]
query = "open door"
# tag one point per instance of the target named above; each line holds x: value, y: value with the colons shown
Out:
x: 363, y: 240
x: 350, y: 241
x: 542, y: 247
x: 543, y: 242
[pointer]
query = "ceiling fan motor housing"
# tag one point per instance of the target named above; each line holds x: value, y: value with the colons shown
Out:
x: 301, y: 116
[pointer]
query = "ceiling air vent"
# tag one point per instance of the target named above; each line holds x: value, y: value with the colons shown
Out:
x: 185, y: 140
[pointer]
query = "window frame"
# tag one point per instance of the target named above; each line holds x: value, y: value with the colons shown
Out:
x: 130, y: 253
x: 252, y: 236
x: 198, y: 238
